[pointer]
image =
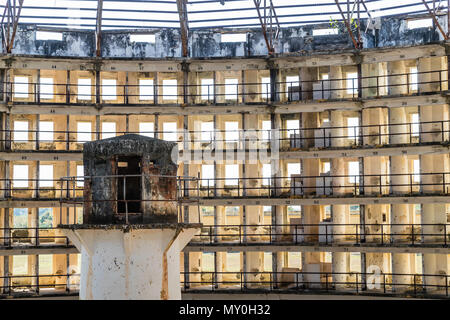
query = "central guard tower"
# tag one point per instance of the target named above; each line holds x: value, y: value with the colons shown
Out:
x: 130, y: 239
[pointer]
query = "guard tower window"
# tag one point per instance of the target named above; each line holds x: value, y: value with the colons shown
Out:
x: 20, y: 176
x: 146, y: 89
x: 46, y: 175
x: 46, y: 131
x: 147, y: 129
x: 132, y: 195
x: 20, y: 131
x: 84, y: 89
x: 207, y: 86
x: 170, y: 89
x: 109, y: 87
x: 231, y: 89
x: 20, y: 87
x: 108, y: 130
x: 46, y: 88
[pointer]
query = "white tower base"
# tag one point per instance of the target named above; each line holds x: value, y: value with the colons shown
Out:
x: 130, y: 262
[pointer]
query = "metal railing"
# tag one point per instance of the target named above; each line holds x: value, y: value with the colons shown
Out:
x: 331, y: 185
x: 35, y: 284
x: 217, y: 93
x: 73, y: 196
x: 192, y: 188
x: 323, y: 137
x: 37, y: 236
x: 403, y: 284
x: 325, y: 233
x: 328, y: 282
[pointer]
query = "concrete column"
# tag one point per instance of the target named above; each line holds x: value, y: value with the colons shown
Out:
x: 339, y: 264
x: 375, y: 129
x: 400, y: 213
x: 338, y: 133
x: 340, y: 213
x: 2, y: 274
x: 429, y: 77
x: 60, y: 267
x: 116, y: 264
x: 369, y: 81
x: 401, y: 264
x: 307, y: 78
x: 311, y: 263
x: 336, y: 84
x: 254, y: 267
x: 195, y: 265
x: 254, y: 219
x: 397, y: 83
x: 253, y: 91
x: 434, y: 213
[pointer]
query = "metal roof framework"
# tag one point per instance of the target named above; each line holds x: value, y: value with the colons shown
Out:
x: 185, y: 15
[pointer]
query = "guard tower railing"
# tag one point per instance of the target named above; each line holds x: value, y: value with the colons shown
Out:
x: 72, y: 196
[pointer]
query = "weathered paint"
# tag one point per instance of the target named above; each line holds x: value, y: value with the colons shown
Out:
x: 158, y: 184
x: 127, y: 264
x: 206, y: 43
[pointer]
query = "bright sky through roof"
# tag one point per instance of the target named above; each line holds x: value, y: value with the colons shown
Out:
x: 145, y: 13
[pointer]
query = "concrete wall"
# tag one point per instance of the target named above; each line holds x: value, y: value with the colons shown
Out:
x: 388, y: 32
x: 74, y: 43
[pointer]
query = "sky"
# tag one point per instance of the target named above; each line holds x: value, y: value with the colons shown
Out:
x: 82, y: 13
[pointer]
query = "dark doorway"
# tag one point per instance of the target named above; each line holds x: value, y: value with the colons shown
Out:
x: 130, y: 165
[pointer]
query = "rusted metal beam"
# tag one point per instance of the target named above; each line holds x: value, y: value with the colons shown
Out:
x: 184, y: 25
x: 347, y: 25
x: 433, y: 15
x: 12, y: 15
x: 267, y: 31
x: 16, y: 22
x: 98, y: 29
